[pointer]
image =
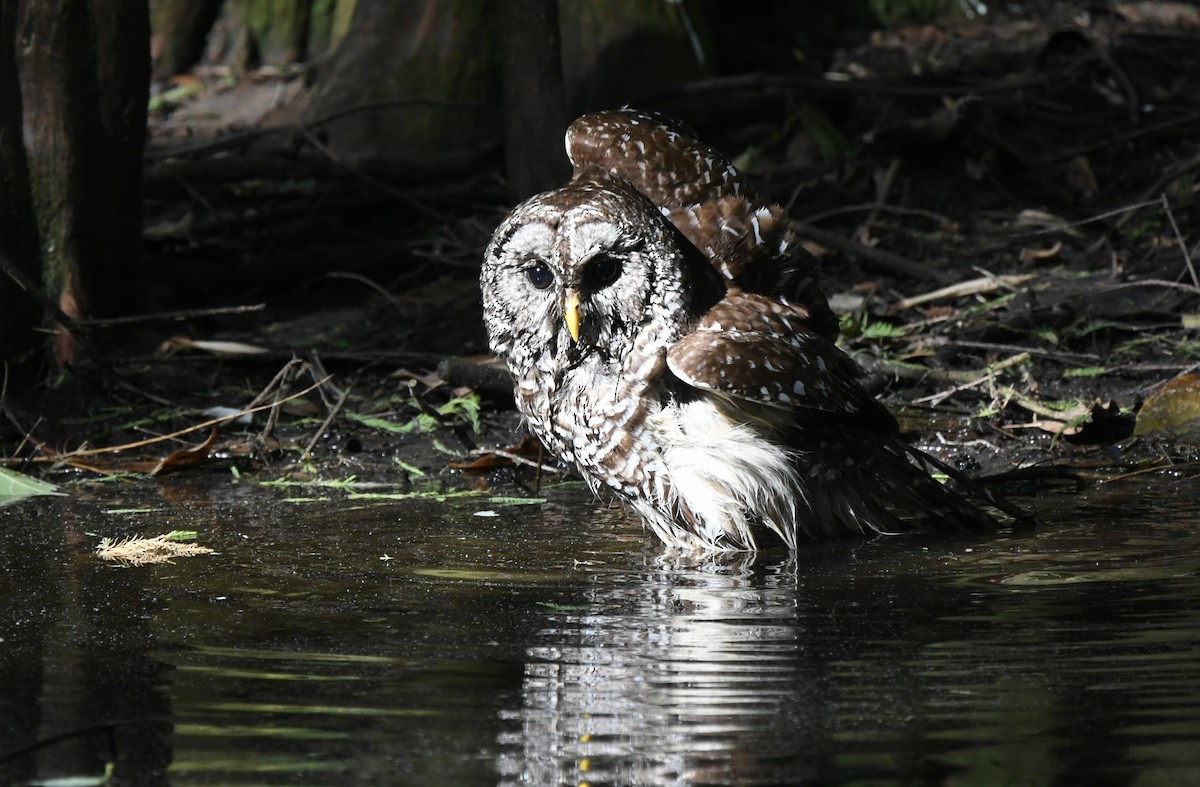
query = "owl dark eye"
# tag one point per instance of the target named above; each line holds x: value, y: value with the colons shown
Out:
x: 539, y: 276
x: 602, y: 271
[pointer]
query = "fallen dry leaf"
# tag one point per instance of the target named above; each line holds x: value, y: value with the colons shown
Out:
x: 186, y: 457
x: 1173, y: 409
x: 177, y: 343
x: 529, y: 449
x: 969, y: 287
x: 1079, y: 177
x: 1033, y: 255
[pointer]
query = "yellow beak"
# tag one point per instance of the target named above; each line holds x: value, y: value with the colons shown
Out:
x: 571, y: 315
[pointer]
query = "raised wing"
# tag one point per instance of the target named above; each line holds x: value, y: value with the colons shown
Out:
x: 659, y: 156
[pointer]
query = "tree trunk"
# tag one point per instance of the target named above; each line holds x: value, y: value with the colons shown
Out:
x: 412, y: 82
x: 535, y: 112
x: 19, y: 313
x: 279, y: 28
x: 179, y: 29
x: 74, y: 79
x: 616, y: 51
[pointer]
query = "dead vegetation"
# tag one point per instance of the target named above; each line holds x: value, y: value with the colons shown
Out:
x: 143, y: 550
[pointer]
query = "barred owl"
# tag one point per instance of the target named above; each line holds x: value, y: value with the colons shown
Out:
x: 668, y: 338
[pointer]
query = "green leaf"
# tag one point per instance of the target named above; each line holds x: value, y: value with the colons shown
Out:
x: 1096, y: 325
x: 412, y: 470
x: 181, y: 535
x: 831, y: 143
x: 465, y: 406
x: 381, y: 424
x: 438, y: 445
x: 1086, y: 371
x: 1047, y: 335
x: 15, y: 486
x: 882, y: 330
x: 517, y: 501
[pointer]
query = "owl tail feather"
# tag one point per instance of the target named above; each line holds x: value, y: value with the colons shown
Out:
x: 868, y: 484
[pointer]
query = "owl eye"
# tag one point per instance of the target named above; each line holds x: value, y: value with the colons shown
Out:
x: 539, y: 276
x: 602, y: 271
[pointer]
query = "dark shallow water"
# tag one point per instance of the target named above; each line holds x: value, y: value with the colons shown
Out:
x: 362, y: 641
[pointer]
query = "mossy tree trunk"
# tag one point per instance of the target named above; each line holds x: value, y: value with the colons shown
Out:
x: 413, y: 84
x: 178, y: 31
x: 535, y: 111
x: 18, y: 237
x: 617, y: 51
x: 74, y: 77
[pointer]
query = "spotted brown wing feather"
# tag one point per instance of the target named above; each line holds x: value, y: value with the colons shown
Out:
x: 762, y: 349
x: 753, y: 248
x: 659, y: 157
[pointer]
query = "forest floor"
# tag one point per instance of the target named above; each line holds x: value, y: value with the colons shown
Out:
x: 1005, y: 211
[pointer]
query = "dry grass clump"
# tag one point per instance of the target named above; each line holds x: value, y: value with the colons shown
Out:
x: 141, y: 550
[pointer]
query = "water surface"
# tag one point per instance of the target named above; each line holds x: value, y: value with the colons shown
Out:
x: 477, y: 641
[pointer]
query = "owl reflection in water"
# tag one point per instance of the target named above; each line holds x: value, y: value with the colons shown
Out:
x: 667, y: 338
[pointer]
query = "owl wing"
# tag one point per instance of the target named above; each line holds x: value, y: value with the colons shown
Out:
x: 658, y: 156
x: 750, y: 244
x: 762, y: 349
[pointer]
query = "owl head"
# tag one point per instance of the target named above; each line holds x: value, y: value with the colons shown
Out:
x: 590, y: 270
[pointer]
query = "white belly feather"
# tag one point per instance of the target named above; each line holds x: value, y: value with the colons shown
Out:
x: 726, y: 475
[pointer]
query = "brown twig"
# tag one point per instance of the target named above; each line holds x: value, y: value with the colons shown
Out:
x: 1187, y: 257
x: 358, y: 277
x: 1125, y: 136
x: 333, y: 411
x: 1062, y: 226
x: 1067, y: 358
x: 1170, y: 285
x: 386, y: 188
x: 987, y: 375
x: 516, y: 459
x: 1160, y: 183
x: 987, y: 283
x: 240, y: 137
x: 280, y: 381
x: 183, y: 314
x: 875, y: 207
x: 171, y: 436
x: 877, y: 257
x: 732, y: 84
x: 395, y: 103
x: 37, y: 294
x: 883, y: 188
